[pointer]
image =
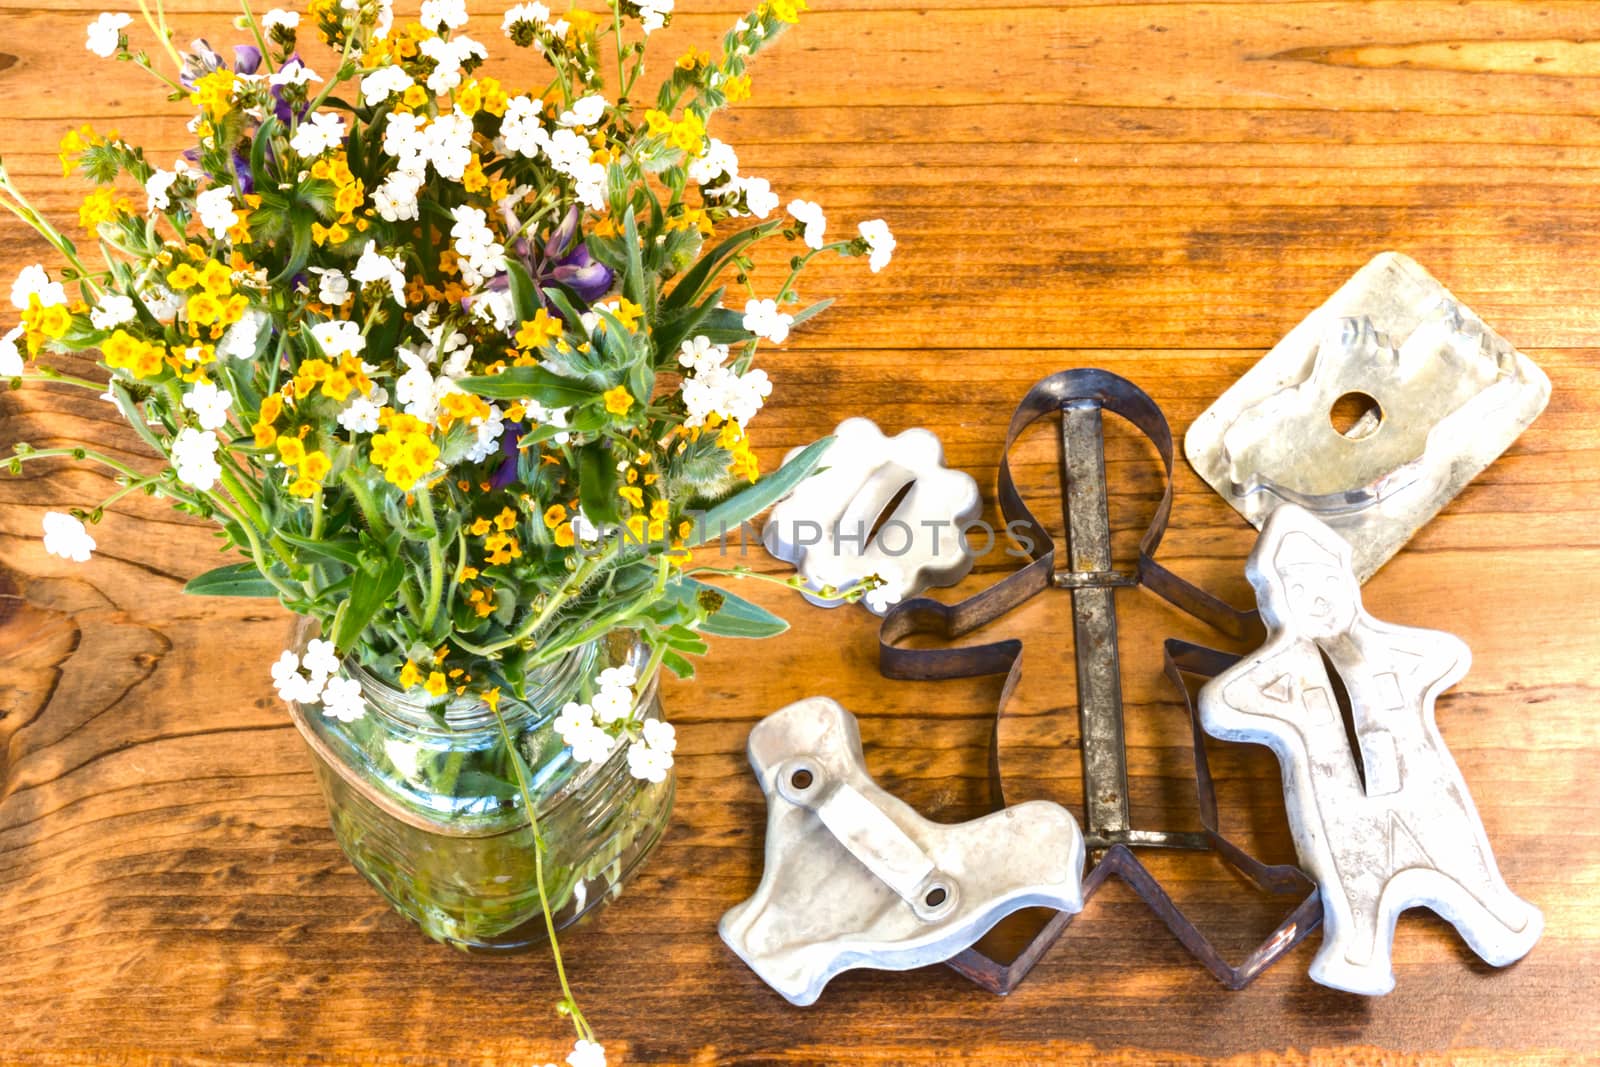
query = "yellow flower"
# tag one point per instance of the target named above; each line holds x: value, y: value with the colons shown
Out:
x: 216, y: 279
x: 689, y: 134
x: 539, y: 329
x: 692, y: 59
x: 73, y: 145
x: 632, y: 494
x: 491, y: 697
x: 480, y: 527
x: 291, y: 450
x: 618, y: 400
x: 659, y: 122
x: 183, y: 276
x: 53, y: 321
x: 506, y: 520
x: 660, y: 509
x: 409, y: 675
x: 628, y: 313
x: 265, y: 433
x: 415, y: 96
x: 102, y: 205
x: 554, y: 515
x: 214, y: 93
x: 786, y: 10
x: 304, y: 487
x: 563, y: 535
x: 315, y: 465
x: 737, y: 88
x: 501, y: 548
x: 203, y: 309
x: 437, y: 684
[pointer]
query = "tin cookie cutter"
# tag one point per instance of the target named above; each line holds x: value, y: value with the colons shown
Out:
x: 828, y: 526
x: 1444, y: 395
x: 1081, y: 397
x: 854, y: 877
x: 1388, y: 823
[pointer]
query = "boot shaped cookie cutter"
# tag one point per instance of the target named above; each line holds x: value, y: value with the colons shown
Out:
x: 828, y: 526
x: 856, y: 878
x: 1389, y: 823
x: 1444, y: 395
x: 1080, y: 398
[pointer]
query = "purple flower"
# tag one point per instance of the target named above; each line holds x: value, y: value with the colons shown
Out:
x: 510, y: 438
x: 563, y: 261
x: 246, y: 58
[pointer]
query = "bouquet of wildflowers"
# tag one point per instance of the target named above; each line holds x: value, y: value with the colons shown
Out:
x: 450, y: 360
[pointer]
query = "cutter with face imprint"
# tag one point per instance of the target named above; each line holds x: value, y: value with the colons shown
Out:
x: 1388, y: 824
x: 1444, y: 396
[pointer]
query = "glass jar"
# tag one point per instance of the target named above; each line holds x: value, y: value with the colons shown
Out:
x: 425, y: 802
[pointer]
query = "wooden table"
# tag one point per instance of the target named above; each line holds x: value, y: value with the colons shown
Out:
x: 1159, y: 189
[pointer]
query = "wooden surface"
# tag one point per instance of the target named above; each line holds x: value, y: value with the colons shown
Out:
x: 1160, y: 189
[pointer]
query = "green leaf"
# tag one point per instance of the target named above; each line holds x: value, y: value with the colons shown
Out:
x: 751, y: 502
x: 347, y: 552
x: 234, y: 579
x: 731, y: 615
x: 536, y: 383
x: 677, y: 665
x: 597, y: 483
x: 633, y: 280
x: 524, y: 295
x: 369, y: 592
x: 687, y: 291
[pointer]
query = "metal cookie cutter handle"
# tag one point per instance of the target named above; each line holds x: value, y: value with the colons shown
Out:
x: 1081, y: 397
x: 855, y: 878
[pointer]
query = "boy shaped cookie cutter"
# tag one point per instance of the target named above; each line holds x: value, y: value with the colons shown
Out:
x: 1386, y: 825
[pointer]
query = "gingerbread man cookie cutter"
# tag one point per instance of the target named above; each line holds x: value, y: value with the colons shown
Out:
x: 1386, y: 824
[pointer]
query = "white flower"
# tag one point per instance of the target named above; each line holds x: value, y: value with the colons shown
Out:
x: 278, y: 17
x: 479, y: 256
x: 585, y: 112
x: 209, y: 404
x: 452, y: 13
x: 66, y: 537
x: 489, y: 431
x: 294, y: 72
x: 360, y: 416
x: 342, y: 700
x: 114, y: 310
x: 373, y: 268
x: 648, y: 764
x: 321, y: 659
x: 35, y: 281
x: 758, y: 196
x: 532, y: 14
x: 317, y: 133
x: 816, y: 222
x: 660, y: 735
x: 623, y: 677
x: 449, y: 141
x: 717, y: 160
x: 215, y: 208
x: 160, y: 301
x: 11, y: 361
x: 333, y: 288
x: 157, y: 187
x: 587, y: 1054
x: 762, y: 318
x: 612, y: 704
x: 105, y: 34
x: 722, y: 391
x: 194, y: 457
x: 240, y: 340
x: 396, y: 198
x: 577, y: 728
x: 701, y: 356
x: 383, y: 83
x: 338, y: 338
x: 448, y: 57
x: 522, y: 128
x: 291, y: 684
x: 880, y: 243
x: 653, y: 14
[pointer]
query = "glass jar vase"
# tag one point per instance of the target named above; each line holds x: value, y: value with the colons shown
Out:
x: 425, y: 802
